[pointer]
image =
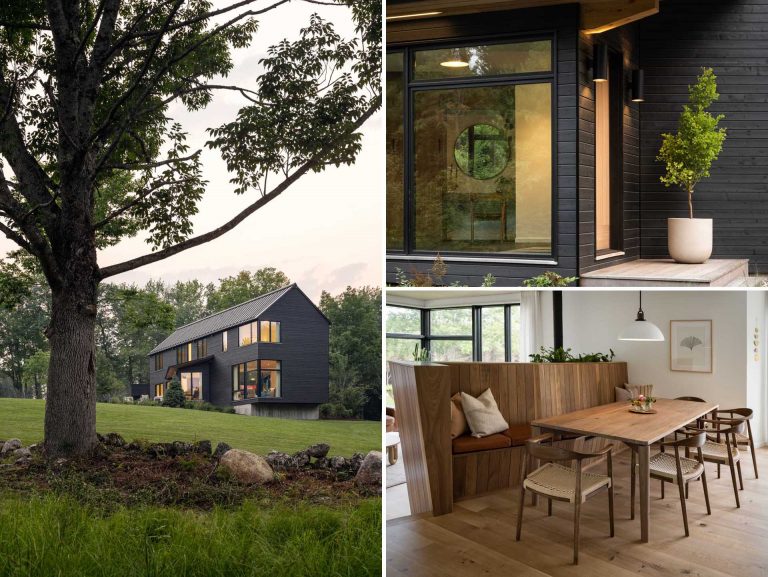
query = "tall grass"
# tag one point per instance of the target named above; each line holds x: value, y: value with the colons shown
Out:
x: 57, y: 536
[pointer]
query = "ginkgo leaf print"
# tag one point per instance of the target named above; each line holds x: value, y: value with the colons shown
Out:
x: 691, y: 342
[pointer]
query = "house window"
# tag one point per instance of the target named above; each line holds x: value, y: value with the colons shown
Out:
x: 256, y: 379
x: 192, y: 385
x: 158, y: 361
x: 269, y: 332
x: 609, y: 181
x: 201, y: 347
x: 224, y: 343
x: 479, y: 144
x: 480, y: 333
x: 159, y: 390
x: 248, y: 334
x: 184, y: 353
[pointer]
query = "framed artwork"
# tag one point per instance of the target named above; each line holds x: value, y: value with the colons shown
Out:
x: 690, y: 346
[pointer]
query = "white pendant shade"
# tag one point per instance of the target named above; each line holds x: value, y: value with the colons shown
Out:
x: 641, y: 331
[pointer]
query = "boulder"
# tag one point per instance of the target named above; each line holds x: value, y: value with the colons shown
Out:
x: 355, y: 461
x: 10, y: 445
x: 221, y: 448
x: 338, y: 463
x: 114, y: 440
x: 281, y: 461
x: 322, y: 463
x: 302, y: 459
x: 247, y: 468
x: 370, y: 470
x: 23, y: 453
x: 319, y: 450
x: 181, y: 448
x: 203, y: 447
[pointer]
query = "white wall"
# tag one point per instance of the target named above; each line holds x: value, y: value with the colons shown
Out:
x: 593, y: 319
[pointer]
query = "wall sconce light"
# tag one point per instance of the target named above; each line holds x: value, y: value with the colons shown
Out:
x: 600, y: 63
x: 637, y: 86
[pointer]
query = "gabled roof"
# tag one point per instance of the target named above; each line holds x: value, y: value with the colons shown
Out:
x: 227, y: 319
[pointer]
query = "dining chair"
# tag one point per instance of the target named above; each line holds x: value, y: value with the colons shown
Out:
x: 557, y: 482
x: 669, y: 468
x: 721, y: 447
x: 746, y: 439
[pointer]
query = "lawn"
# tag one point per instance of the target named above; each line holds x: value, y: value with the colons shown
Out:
x: 23, y: 419
x: 57, y: 535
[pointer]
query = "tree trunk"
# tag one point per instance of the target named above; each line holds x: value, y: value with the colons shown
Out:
x: 70, y: 410
x: 690, y: 203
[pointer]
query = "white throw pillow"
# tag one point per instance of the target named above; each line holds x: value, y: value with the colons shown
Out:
x: 482, y: 413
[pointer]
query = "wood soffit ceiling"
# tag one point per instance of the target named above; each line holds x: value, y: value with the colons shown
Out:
x: 596, y: 15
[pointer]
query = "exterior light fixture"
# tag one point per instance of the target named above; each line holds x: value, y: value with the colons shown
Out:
x: 600, y: 63
x: 641, y: 329
x: 414, y: 15
x: 456, y: 60
x: 637, y: 88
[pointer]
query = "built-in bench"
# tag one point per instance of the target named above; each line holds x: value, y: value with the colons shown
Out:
x: 440, y: 470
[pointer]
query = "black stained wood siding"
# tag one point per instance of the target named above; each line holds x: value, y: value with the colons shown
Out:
x: 731, y: 36
x: 303, y: 352
x: 624, y: 41
x: 563, y: 21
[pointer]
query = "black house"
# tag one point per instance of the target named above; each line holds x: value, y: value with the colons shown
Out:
x: 522, y: 135
x: 267, y: 357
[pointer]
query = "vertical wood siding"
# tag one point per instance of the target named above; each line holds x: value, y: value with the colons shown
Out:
x: 731, y: 37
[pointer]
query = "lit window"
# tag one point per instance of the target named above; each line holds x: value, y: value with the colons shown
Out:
x: 256, y: 379
x: 270, y: 332
x: 224, y: 343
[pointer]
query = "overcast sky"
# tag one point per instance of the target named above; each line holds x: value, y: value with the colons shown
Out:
x: 324, y: 232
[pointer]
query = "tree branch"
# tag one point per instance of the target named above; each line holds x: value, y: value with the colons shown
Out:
x: 146, y: 165
x: 314, y: 162
x: 137, y: 199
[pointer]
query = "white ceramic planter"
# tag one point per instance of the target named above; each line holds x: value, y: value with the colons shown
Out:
x: 689, y: 239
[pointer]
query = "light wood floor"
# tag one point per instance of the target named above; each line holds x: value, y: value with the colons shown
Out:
x: 478, y: 538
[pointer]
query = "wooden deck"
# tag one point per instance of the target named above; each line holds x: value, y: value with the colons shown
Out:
x: 478, y: 538
x: 666, y: 272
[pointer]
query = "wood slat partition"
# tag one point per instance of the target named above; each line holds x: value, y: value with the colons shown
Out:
x: 523, y: 391
x: 422, y: 398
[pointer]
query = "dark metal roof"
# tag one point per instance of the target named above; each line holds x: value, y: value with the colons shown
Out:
x: 226, y: 319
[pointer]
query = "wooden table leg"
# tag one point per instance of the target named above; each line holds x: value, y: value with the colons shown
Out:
x: 643, y: 453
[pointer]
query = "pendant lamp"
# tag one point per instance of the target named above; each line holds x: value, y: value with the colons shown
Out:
x: 641, y: 329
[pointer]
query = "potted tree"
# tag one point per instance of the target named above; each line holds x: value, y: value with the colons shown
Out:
x: 688, y: 156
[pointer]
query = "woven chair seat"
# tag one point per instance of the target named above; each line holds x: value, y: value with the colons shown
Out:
x: 560, y: 482
x: 718, y: 451
x: 664, y: 465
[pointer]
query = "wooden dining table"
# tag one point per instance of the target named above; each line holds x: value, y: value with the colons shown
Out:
x: 639, y: 431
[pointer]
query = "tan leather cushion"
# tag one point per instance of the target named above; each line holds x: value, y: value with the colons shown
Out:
x: 390, y: 424
x: 458, y: 420
x: 637, y: 390
x: 483, y: 415
x: 622, y: 394
x: 468, y: 444
x: 518, y: 434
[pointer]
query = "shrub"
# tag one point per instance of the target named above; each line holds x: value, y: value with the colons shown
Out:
x: 550, y: 278
x: 174, y: 396
x: 561, y: 355
x: 334, y: 411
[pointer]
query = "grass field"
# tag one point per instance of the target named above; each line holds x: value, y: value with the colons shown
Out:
x: 23, y: 419
x: 58, y: 536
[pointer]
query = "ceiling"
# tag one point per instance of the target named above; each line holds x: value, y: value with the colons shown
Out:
x: 596, y: 15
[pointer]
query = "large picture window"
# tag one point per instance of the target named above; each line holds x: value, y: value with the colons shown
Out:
x: 478, y: 150
x: 480, y: 333
x: 192, y: 385
x: 256, y: 379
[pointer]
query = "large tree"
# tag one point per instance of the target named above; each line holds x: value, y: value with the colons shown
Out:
x: 233, y: 290
x: 89, y: 153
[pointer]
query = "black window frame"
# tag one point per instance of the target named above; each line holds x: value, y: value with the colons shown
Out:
x: 242, y: 382
x: 180, y: 357
x: 410, y: 86
x: 224, y: 341
x: 158, y: 362
x: 279, y: 331
x: 426, y: 337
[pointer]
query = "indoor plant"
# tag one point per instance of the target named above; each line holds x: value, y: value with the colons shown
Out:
x: 688, y: 156
x: 643, y: 403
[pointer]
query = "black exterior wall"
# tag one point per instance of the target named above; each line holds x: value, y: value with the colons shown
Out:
x: 624, y: 42
x: 731, y: 36
x: 562, y: 21
x: 303, y: 353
